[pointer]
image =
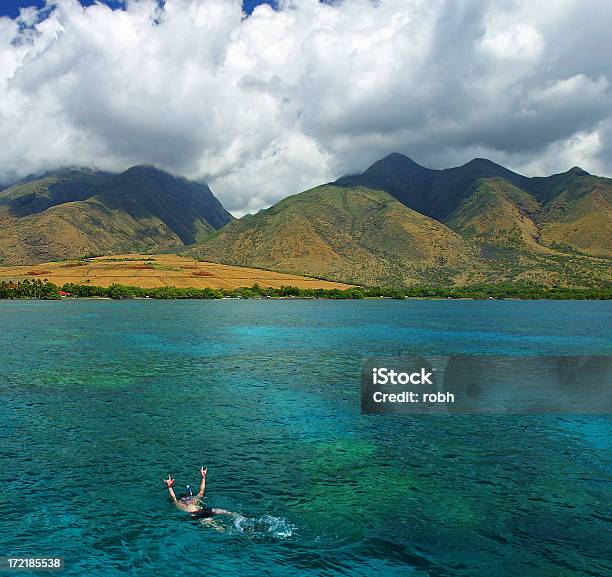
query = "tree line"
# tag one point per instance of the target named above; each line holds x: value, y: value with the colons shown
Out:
x: 43, y: 289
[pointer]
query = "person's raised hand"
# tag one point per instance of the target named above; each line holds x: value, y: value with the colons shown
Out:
x: 169, y: 481
x: 203, y: 471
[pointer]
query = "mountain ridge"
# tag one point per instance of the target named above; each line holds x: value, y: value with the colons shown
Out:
x: 74, y: 212
x: 361, y: 234
x: 511, y: 227
x: 397, y: 223
x: 433, y: 192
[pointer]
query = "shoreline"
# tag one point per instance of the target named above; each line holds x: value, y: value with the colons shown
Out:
x: 298, y: 298
x: 46, y: 290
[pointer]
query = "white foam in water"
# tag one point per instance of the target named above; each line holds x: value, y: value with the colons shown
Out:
x: 264, y: 526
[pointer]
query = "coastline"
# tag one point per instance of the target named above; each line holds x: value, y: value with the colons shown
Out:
x: 300, y: 298
x: 47, y: 290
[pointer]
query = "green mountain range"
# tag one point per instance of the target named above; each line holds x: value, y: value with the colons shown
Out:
x: 397, y: 223
x: 76, y: 212
x: 571, y: 209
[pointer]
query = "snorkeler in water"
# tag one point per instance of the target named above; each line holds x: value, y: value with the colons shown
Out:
x: 192, y: 504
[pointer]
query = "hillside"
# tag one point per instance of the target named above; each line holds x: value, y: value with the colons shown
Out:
x: 400, y: 223
x: 156, y: 270
x: 355, y: 234
x: 396, y: 224
x: 73, y: 213
x: 578, y: 215
x: 187, y: 208
x: 435, y: 193
x: 567, y: 212
x: 498, y: 213
x: 35, y: 194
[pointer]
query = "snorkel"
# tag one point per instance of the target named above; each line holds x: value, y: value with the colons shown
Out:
x: 189, y: 491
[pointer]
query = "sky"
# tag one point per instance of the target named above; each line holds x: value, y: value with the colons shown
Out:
x: 11, y: 7
x: 262, y: 102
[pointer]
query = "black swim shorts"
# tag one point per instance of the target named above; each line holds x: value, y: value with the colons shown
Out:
x: 202, y: 513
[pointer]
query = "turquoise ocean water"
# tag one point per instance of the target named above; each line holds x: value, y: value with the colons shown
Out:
x: 101, y: 399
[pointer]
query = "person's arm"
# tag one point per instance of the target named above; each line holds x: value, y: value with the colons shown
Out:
x: 169, y: 482
x: 203, y: 472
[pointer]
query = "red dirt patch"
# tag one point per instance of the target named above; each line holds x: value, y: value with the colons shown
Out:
x: 37, y: 272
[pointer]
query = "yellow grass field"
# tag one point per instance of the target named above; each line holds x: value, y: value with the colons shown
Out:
x: 149, y: 271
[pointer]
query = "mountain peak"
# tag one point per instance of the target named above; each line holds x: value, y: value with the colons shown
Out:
x: 396, y: 174
x: 140, y: 169
x: 577, y: 171
x: 396, y: 162
x: 144, y: 190
x: 485, y: 168
x: 399, y: 157
x: 482, y: 163
x: 434, y: 193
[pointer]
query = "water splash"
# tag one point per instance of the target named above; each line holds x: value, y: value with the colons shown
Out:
x: 264, y: 527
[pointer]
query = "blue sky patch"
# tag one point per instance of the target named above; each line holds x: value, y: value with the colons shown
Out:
x: 11, y: 8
